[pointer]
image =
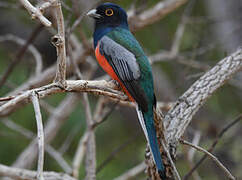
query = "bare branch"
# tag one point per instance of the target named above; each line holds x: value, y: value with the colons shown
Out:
x: 181, y: 29
x: 190, y: 153
x: 153, y: 14
x: 91, y: 157
x: 79, y: 154
x: 22, y: 174
x: 35, y: 12
x: 59, y: 42
x: 40, y: 135
x: 91, y: 143
x: 228, y: 174
x: 97, y: 87
x: 178, y: 118
x: 195, y: 141
x: 59, y: 159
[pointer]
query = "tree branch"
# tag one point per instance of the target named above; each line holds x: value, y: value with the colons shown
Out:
x: 23, y: 174
x: 101, y: 87
x: 153, y: 14
x: 178, y: 118
x: 40, y: 135
x: 35, y: 12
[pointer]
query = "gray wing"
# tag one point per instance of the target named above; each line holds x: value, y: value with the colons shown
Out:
x: 126, y: 68
x: 123, y: 60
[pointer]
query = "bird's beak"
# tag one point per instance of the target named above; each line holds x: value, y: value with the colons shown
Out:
x: 93, y: 13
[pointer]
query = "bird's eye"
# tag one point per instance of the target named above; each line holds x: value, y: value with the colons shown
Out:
x: 109, y: 12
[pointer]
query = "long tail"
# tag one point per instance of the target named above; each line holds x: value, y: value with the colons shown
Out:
x: 147, y: 123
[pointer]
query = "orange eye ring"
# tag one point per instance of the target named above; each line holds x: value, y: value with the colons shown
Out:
x: 109, y: 12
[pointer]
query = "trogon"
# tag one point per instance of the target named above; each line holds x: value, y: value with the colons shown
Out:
x: 121, y: 56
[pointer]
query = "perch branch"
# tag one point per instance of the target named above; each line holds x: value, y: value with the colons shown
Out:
x: 101, y: 87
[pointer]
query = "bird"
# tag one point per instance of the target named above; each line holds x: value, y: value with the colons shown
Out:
x: 121, y: 56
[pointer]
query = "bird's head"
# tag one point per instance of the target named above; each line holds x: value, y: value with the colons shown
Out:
x: 109, y: 15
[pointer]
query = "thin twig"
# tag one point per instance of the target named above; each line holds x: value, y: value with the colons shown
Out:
x: 190, y: 153
x: 40, y: 135
x: 195, y: 141
x: 214, y: 158
x: 176, y: 173
x: 91, y: 143
x: 181, y: 28
x: 35, y: 12
x: 153, y: 14
x: 82, y: 147
x: 103, y: 115
x: 219, y: 136
x: 79, y: 154
x: 59, y: 159
x: 79, y: 19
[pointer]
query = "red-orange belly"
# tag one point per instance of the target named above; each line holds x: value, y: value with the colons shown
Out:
x: 108, y: 68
